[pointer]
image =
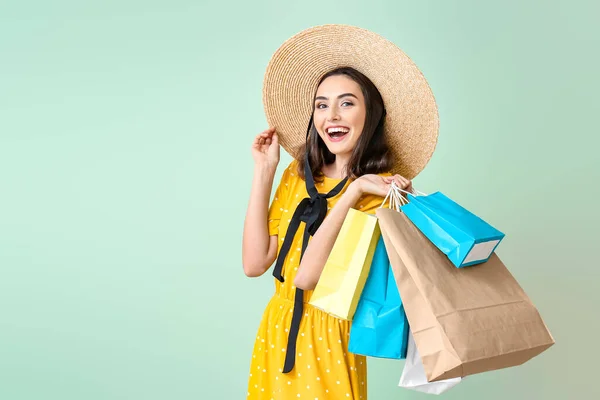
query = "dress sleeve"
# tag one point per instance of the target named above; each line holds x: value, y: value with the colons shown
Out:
x: 279, y: 199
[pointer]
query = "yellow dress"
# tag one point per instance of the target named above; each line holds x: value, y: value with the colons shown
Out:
x: 324, y: 369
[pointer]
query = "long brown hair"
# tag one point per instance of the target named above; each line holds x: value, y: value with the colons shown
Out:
x: 371, y: 154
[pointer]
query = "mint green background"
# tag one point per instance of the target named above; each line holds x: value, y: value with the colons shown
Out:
x: 125, y: 169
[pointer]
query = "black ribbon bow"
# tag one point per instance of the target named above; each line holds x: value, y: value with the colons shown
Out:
x: 311, y: 210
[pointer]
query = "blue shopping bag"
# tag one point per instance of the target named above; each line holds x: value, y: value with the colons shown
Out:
x: 464, y: 237
x: 380, y: 327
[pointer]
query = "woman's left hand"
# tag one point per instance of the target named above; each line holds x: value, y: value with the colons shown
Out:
x: 401, y: 182
x: 380, y: 185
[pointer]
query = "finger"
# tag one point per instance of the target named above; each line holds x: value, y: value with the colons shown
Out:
x: 403, y: 185
x: 268, y: 141
x: 398, y: 181
x: 265, y: 134
x: 270, y: 135
x: 403, y: 181
x: 275, y: 139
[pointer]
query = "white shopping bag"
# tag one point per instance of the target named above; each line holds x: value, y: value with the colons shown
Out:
x: 413, y: 375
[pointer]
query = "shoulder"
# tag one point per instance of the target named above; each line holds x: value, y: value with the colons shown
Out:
x: 292, y: 166
x: 290, y: 181
x: 290, y: 172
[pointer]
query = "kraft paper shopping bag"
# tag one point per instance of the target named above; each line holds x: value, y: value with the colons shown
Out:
x: 464, y: 320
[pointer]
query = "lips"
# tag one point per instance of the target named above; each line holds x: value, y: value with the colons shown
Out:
x: 337, y: 133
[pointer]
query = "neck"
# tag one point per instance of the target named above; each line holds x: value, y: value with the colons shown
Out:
x: 336, y: 169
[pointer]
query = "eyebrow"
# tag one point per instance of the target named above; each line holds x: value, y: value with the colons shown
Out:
x: 339, y: 97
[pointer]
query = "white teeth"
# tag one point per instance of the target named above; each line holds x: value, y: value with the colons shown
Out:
x: 331, y: 130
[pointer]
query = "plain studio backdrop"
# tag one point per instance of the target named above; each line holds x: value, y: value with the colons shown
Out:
x: 125, y: 170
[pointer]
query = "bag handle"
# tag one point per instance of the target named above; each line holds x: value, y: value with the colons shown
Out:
x: 396, y: 199
x: 414, y: 192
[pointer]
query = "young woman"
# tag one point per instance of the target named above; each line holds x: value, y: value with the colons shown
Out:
x: 345, y: 162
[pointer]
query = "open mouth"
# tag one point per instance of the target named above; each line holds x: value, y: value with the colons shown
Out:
x: 337, y: 134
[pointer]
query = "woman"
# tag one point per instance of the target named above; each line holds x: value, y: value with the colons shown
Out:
x: 345, y: 162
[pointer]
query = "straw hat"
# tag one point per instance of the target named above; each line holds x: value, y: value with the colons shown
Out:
x: 292, y: 75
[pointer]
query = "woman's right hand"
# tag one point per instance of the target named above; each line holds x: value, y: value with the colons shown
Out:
x: 265, y: 148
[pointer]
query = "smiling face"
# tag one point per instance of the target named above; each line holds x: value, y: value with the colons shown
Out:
x: 340, y: 113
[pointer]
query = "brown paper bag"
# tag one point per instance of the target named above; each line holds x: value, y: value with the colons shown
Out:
x: 464, y: 320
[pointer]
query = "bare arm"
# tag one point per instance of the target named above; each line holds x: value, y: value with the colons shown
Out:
x: 258, y: 248
x: 320, y: 246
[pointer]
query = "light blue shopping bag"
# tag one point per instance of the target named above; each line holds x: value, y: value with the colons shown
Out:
x: 380, y: 327
x: 464, y: 237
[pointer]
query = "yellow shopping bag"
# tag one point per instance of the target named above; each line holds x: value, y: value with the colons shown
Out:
x: 347, y: 268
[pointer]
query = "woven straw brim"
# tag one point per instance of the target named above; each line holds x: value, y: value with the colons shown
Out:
x: 292, y: 75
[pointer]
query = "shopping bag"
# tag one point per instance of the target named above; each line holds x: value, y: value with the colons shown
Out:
x: 345, y: 272
x: 464, y: 320
x: 379, y: 327
x: 464, y: 237
x: 413, y: 374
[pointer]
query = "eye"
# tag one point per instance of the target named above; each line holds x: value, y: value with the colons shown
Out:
x: 348, y: 102
x: 321, y: 104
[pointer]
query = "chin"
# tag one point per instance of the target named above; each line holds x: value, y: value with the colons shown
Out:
x: 337, y: 150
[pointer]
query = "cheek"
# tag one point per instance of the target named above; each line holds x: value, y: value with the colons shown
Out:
x: 318, y: 121
x: 358, y: 121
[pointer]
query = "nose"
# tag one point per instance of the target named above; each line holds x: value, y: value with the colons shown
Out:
x: 333, y: 114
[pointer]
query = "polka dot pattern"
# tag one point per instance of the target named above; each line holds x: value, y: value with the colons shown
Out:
x: 324, y: 368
